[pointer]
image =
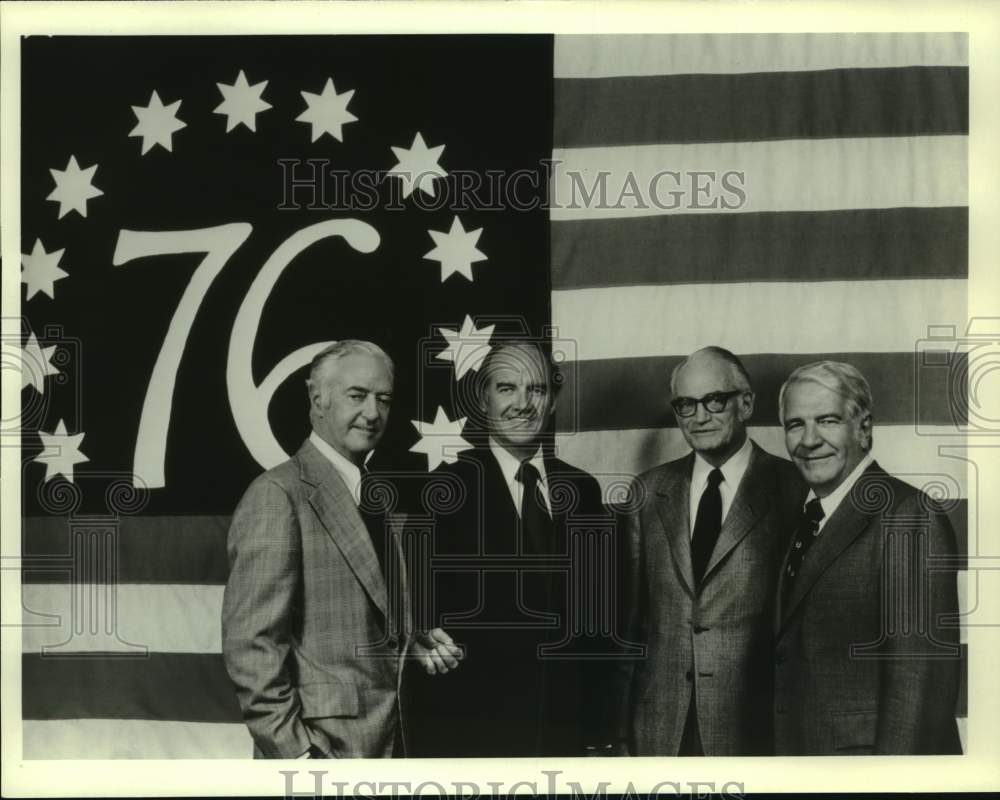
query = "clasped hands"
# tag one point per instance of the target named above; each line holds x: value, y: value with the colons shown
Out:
x: 436, y: 652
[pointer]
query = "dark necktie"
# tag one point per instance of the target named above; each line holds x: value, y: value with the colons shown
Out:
x: 707, y: 524
x: 535, y: 521
x: 372, y: 507
x: 806, y: 533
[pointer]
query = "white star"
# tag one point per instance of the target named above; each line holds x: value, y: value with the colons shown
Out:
x: 242, y: 102
x: 73, y: 188
x: 418, y: 167
x: 61, y: 452
x: 327, y: 112
x: 441, y: 440
x: 467, y: 348
x: 456, y: 250
x: 157, y: 123
x: 36, y: 364
x: 41, y: 271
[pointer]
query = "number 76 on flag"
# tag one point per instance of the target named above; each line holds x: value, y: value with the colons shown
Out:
x: 249, y: 401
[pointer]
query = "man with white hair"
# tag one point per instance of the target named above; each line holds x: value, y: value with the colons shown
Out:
x: 315, y: 622
x: 704, y: 551
x: 865, y: 660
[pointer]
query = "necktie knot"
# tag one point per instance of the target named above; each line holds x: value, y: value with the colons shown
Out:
x: 527, y: 474
x: 715, y: 477
x: 814, y: 511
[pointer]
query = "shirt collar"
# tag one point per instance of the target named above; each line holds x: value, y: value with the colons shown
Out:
x: 732, y: 470
x: 509, y: 465
x: 347, y: 469
x: 832, y: 501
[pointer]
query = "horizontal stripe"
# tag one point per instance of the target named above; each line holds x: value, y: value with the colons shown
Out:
x: 189, y: 616
x: 133, y: 738
x: 601, y: 56
x: 125, y: 618
x: 617, y: 393
x: 762, y: 106
x: 150, y: 549
x: 889, y: 243
x: 787, y: 175
x: 175, y: 686
x: 865, y: 317
x: 615, y: 457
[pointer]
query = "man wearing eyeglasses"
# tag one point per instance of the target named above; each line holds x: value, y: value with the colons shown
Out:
x: 704, y: 549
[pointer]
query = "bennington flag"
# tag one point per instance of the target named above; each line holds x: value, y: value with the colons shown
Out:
x: 200, y: 215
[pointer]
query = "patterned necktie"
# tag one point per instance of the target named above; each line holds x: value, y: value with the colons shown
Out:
x: 535, y: 521
x: 707, y: 524
x: 806, y: 533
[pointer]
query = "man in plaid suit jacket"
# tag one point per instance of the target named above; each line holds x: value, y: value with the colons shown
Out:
x: 315, y: 618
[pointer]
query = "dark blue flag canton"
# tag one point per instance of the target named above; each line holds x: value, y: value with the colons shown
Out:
x: 201, y: 215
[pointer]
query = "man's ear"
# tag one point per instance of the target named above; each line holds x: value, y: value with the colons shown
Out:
x: 315, y: 394
x: 865, y: 428
x: 746, y: 401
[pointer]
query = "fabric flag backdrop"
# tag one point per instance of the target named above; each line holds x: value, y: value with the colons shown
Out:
x: 849, y: 242
x: 179, y: 271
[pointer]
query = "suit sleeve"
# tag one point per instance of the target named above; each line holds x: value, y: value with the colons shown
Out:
x: 258, y: 614
x: 920, y: 676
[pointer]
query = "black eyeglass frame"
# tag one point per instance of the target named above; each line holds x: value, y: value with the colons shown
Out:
x: 718, y: 401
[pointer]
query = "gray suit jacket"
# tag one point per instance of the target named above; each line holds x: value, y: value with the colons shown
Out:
x: 311, y: 637
x: 716, y: 641
x: 865, y: 663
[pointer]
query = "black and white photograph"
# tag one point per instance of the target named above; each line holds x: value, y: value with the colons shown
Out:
x: 603, y: 406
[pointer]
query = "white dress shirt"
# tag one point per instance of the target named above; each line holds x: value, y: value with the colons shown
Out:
x: 509, y: 467
x: 732, y: 474
x: 831, y: 502
x: 346, y: 469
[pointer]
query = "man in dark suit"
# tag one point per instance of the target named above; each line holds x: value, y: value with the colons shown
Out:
x: 507, y: 598
x: 705, y: 546
x: 865, y: 662
x: 315, y: 618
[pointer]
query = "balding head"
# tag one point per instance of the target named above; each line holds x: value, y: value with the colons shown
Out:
x: 712, y: 399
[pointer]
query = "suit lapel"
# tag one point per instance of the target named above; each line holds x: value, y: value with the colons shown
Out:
x: 843, y: 527
x: 336, y: 510
x: 559, y: 489
x: 749, y: 504
x: 672, y: 496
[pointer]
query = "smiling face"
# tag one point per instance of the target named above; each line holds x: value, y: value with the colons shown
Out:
x: 824, y: 439
x: 517, y: 398
x: 716, y: 436
x: 350, y: 401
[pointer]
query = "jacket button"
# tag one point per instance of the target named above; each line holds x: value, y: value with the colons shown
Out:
x: 780, y: 658
x: 689, y: 675
x: 780, y: 709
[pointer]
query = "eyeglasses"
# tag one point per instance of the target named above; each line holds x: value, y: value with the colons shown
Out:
x: 714, y: 402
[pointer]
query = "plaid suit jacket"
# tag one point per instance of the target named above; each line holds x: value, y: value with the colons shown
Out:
x: 312, y: 637
x: 714, y: 639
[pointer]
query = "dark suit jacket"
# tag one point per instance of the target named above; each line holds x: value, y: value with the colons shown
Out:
x: 846, y: 682
x: 311, y: 637
x: 716, y: 641
x: 504, y: 700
